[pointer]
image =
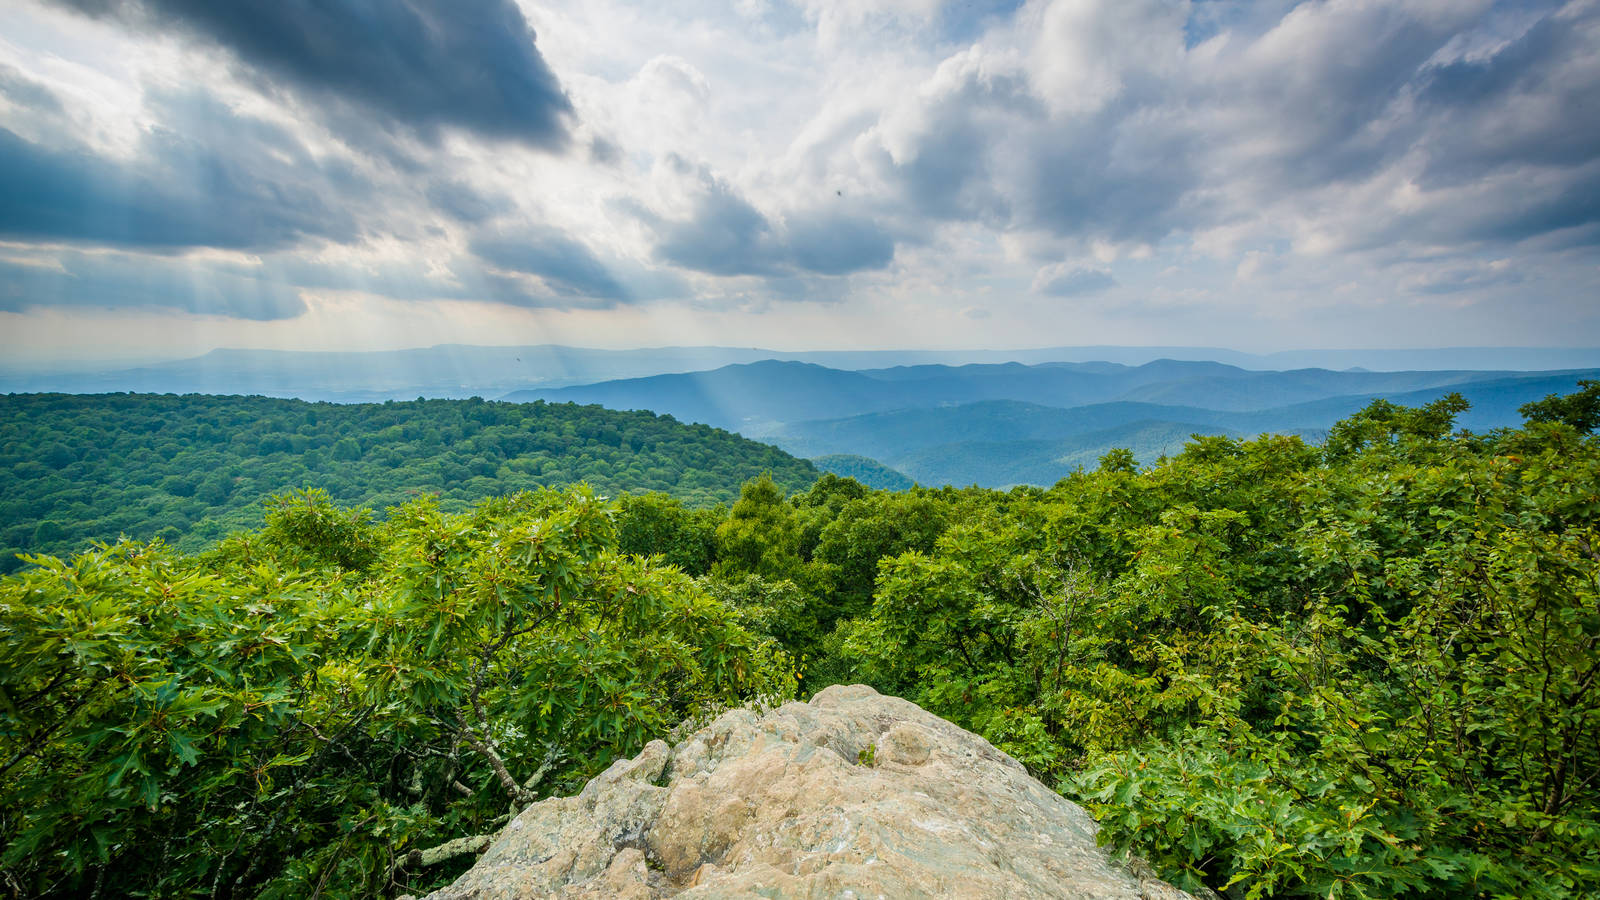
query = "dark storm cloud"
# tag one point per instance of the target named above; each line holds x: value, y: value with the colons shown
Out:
x: 208, y: 178
x: 122, y: 280
x: 726, y: 235
x: 568, y: 267
x: 426, y: 64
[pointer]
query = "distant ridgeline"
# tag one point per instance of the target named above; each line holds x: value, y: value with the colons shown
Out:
x: 1007, y: 424
x: 191, y: 468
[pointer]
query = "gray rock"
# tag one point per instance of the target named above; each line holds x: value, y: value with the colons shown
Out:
x: 853, y: 795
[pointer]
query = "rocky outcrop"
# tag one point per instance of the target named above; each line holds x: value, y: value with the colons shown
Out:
x: 853, y: 795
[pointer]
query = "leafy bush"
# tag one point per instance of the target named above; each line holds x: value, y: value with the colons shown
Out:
x: 326, y: 706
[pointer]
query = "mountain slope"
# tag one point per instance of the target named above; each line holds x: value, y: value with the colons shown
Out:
x: 1041, y: 462
x: 91, y: 467
x: 740, y: 396
x: 893, y: 434
x: 869, y: 472
x: 758, y: 397
x: 1005, y: 442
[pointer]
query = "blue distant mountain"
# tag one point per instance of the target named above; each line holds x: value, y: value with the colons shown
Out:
x: 991, y: 417
x: 459, y: 370
x: 997, y: 425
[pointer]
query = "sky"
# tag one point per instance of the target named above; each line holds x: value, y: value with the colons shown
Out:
x: 180, y: 175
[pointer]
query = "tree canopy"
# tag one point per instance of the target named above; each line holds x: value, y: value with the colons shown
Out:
x: 1368, y: 668
x: 190, y: 469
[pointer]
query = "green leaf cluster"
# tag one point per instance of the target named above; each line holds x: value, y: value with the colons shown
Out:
x: 317, y: 707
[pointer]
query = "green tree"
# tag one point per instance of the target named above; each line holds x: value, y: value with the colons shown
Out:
x: 1580, y: 410
x: 329, y: 708
x: 761, y: 535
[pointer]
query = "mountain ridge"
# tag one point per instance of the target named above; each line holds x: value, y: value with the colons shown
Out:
x: 1008, y: 423
x: 453, y: 370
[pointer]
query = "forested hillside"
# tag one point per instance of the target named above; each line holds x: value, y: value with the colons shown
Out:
x: 1004, y: 424
x: 868, y: 471
x: 1363, y: 668
x: 191, y: 468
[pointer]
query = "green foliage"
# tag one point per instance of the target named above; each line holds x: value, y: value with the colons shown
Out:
x: 866, y: 530
x: 655, y: 523
x: 307, y: 531
x: 194, y: 468
x: 1581, y: 410
x: 1362, y: 670
x: 1365, y: 669
x: 309, y: 708
x: 761, y: 535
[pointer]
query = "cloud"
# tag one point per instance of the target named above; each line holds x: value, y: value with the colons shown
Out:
x: 124, y: 280
x: 25, y: 92
x: 1340, y: 125
x: 1457, y: 278
x: 421, y: 64
x: 1530, y: 101
x: 837, y: 243
x: 1063, y: 281
x: 210, y: 178
x: 565, y: 266
x: 726, y: 235
x: 1255, y: 154
x: 460, y: 201
x: 940, y: 151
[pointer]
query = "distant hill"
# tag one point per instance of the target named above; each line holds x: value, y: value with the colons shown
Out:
x: 458, y: 370
x: 752, y: 398
x: 892, y: 435
x: 869, y: 472
x: 1001, y: 464
x: 740, y: 396
x: 916, y: 420
x: 191, y: 468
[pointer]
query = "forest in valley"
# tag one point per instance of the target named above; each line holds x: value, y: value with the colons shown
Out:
x: 1365, y: 667
x: 190, y: 469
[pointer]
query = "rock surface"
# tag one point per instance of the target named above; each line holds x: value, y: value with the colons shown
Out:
x: 853, y: 795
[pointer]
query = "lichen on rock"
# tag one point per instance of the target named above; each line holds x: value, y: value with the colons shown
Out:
x: 778, y: 805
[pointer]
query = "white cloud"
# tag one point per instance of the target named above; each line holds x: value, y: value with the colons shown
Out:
x: 1269, y: 161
